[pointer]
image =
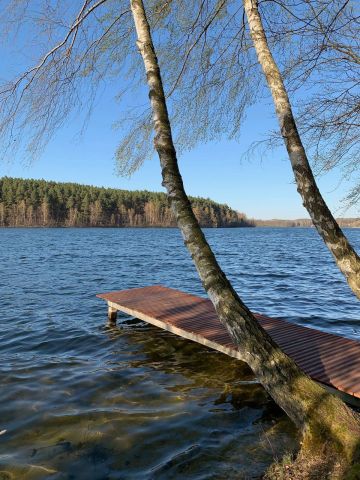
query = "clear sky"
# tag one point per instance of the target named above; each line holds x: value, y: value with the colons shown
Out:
x: 260, y: 187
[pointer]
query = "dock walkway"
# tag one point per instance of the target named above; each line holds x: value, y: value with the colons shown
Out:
x: 329, y: 359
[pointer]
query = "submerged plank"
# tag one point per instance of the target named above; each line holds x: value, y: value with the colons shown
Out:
x: 329, y: 359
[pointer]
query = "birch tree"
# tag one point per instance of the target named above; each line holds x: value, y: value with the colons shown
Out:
x: 322, y: 418
x: 344, y: 254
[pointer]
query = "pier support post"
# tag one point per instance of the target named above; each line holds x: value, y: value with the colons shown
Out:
x: 112, y: 314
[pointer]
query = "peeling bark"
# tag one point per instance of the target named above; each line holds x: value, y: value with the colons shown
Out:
x: 312, y: 409
x: 344, y: 254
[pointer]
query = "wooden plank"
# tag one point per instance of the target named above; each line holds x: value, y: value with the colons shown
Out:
x: 329, y: 359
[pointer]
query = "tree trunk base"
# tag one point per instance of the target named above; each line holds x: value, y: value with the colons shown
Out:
x: 325, y: 463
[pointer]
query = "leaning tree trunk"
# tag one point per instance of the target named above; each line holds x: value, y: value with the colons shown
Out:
x: 345, y: 256
x: 313, y: 410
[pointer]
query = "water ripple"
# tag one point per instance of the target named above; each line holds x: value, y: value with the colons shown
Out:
x: 80, y: 400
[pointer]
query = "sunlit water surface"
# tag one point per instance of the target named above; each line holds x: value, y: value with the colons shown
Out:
x: 81, y: 400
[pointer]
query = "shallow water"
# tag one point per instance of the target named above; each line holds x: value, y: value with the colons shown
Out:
x: 81, y: 400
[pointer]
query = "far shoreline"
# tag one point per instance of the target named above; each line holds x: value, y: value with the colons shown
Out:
x: 150, y: 227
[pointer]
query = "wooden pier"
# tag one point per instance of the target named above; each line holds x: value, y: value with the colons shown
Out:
x: 331, y: 360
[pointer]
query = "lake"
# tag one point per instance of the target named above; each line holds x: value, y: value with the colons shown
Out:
x: 82, y: 400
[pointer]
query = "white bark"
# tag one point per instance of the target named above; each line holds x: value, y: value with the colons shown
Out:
x: 345, y: 256
x: 306, y: 403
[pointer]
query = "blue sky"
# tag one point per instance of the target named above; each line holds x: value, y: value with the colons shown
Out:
x: 259, y: 187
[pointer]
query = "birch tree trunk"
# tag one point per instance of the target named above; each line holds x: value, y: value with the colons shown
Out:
x: 345, y: 256
x: 317, y: 413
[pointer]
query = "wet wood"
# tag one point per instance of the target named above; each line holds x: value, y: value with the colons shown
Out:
x: 112, y: 314
x: 329, y: 359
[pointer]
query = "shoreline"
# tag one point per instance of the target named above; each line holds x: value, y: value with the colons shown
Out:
x: 295, y: 227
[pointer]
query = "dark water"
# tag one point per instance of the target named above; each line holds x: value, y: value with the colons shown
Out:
x: 80, y: 400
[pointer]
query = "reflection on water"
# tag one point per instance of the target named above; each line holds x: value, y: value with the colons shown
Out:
x: 155, y: 407
x: 82, y: 400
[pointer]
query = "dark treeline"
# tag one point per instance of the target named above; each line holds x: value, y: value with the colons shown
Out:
x: 28, y: 203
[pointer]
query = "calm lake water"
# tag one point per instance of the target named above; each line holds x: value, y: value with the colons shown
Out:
x: 81, y: 400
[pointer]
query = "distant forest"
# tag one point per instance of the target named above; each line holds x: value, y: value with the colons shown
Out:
x: 305, y: 222
x: 39, y: 203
